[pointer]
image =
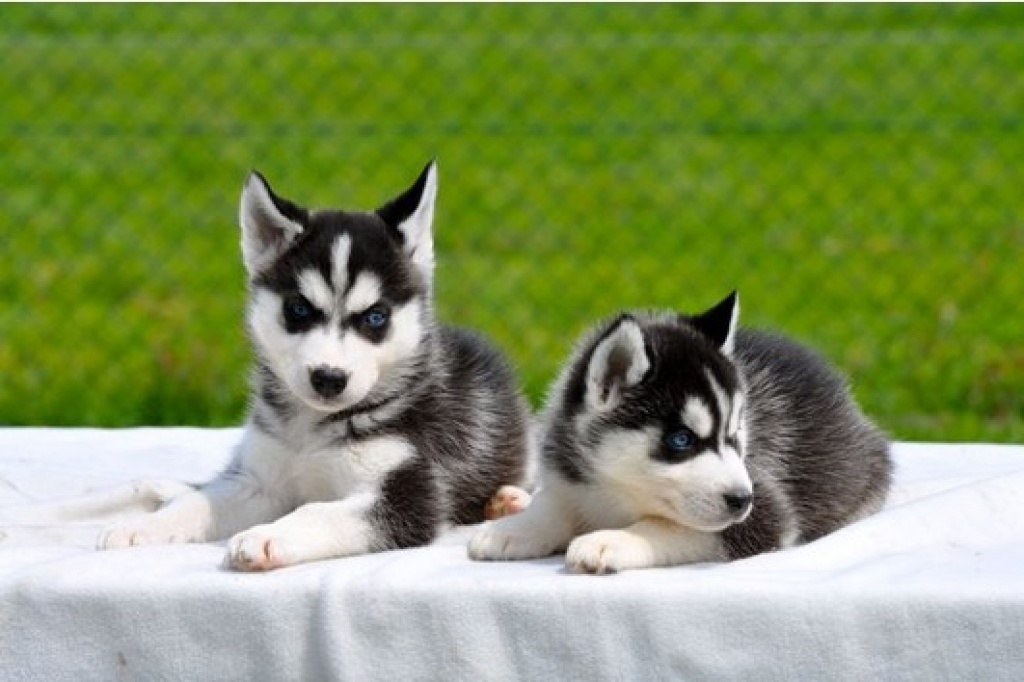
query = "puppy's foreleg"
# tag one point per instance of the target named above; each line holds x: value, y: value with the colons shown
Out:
x: 321, y: 530
x: 543, y: 528
x: 647, y: 543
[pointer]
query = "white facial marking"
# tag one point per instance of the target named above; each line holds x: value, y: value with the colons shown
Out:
x: 292, y: 356
x: 340, y: 252
x: 365, y: 292
x: 697, y: 417
x: 690, y: 492
x: 622, y: 462
x: 317, y: 291
x: 405, y: 334
x: 367, y: 363
x: 733, y: 427
x: 264, y: 320
x: 320, y: 347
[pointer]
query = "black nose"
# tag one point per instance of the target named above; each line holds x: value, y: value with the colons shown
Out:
x: 328, y: 381
x: 737, y: 501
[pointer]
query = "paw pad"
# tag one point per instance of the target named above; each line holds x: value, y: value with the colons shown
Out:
x: 507, y: 501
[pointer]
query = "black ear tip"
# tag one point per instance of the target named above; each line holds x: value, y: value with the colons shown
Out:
x: 397, y: 210
x: 729, y: 302
x: 255, y: 176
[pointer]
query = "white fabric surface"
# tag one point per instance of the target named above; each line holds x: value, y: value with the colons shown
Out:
x: 931, y: 588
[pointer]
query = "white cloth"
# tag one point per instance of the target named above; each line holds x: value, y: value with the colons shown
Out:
x: 931, y: 588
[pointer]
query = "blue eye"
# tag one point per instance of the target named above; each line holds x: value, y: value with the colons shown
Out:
x: 298, y: 308
x: 376, y: 317
x: 678, y: 441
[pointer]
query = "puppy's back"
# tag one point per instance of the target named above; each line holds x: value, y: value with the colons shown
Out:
x: 806, y: 434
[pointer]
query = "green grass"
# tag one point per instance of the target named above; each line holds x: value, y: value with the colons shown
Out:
x: 853, y: 170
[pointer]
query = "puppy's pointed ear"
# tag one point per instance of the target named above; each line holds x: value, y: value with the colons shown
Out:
x: 618, y: 362
x: 719, y: 322
x: 411, y: 216
x: 269, y: 224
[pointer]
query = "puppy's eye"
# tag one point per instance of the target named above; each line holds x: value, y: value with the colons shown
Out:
x: 679, y: 441
x: 298, y: 309
x: 376, y: 317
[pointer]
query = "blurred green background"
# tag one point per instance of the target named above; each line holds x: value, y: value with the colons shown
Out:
x: 854, y: 170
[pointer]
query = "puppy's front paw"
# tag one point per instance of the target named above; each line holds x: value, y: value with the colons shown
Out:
x: 608, y: 551
x: 505, y: 541
x: 258, y: 549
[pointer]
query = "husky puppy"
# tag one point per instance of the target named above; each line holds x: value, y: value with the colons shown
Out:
x: 372, y: 427
x: 671, y: 439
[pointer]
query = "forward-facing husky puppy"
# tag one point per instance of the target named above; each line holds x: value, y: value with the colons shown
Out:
x: 670, y: 439
x: 372, y: 427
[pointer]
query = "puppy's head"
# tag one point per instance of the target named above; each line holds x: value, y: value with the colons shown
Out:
x: 339, y: 300
x: 660, y: 411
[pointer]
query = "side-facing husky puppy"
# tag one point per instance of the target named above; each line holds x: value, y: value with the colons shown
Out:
x: 371, y: 427
x: 671, y: 439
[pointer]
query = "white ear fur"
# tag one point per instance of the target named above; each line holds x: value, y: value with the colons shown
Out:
x: 266, y: 232
x: 618, y: 362
x: 729, y: 345
x: 417, y: 228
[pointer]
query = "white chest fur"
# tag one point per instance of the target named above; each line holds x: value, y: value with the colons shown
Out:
x: 322, y: 470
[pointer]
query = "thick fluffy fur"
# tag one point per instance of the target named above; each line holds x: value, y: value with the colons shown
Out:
x: 672, y: 439
x: 372, y: 427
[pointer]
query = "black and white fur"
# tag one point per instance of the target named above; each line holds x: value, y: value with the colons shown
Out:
x: 371, y: 427
x: 671, y: 439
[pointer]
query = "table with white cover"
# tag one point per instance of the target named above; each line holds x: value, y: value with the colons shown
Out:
x: 930, y: 588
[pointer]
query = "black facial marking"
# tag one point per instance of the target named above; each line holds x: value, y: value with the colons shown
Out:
x: 373, y: 323
x: 675, y: 435
x: 299, y: 314
x: 373, y: 249
x: 678, y: 444
x: 680, y: 359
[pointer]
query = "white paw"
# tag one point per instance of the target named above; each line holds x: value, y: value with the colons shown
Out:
x: 608, y: 551
x: 506, y: 541
x: 258, y: 549
x: 143, y: 532
x: 507, y: 501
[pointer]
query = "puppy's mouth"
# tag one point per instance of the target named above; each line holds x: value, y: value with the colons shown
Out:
x: 321, y: 405
x: 710, y: 522
x: 709, y: 527
x: 339, y: 403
